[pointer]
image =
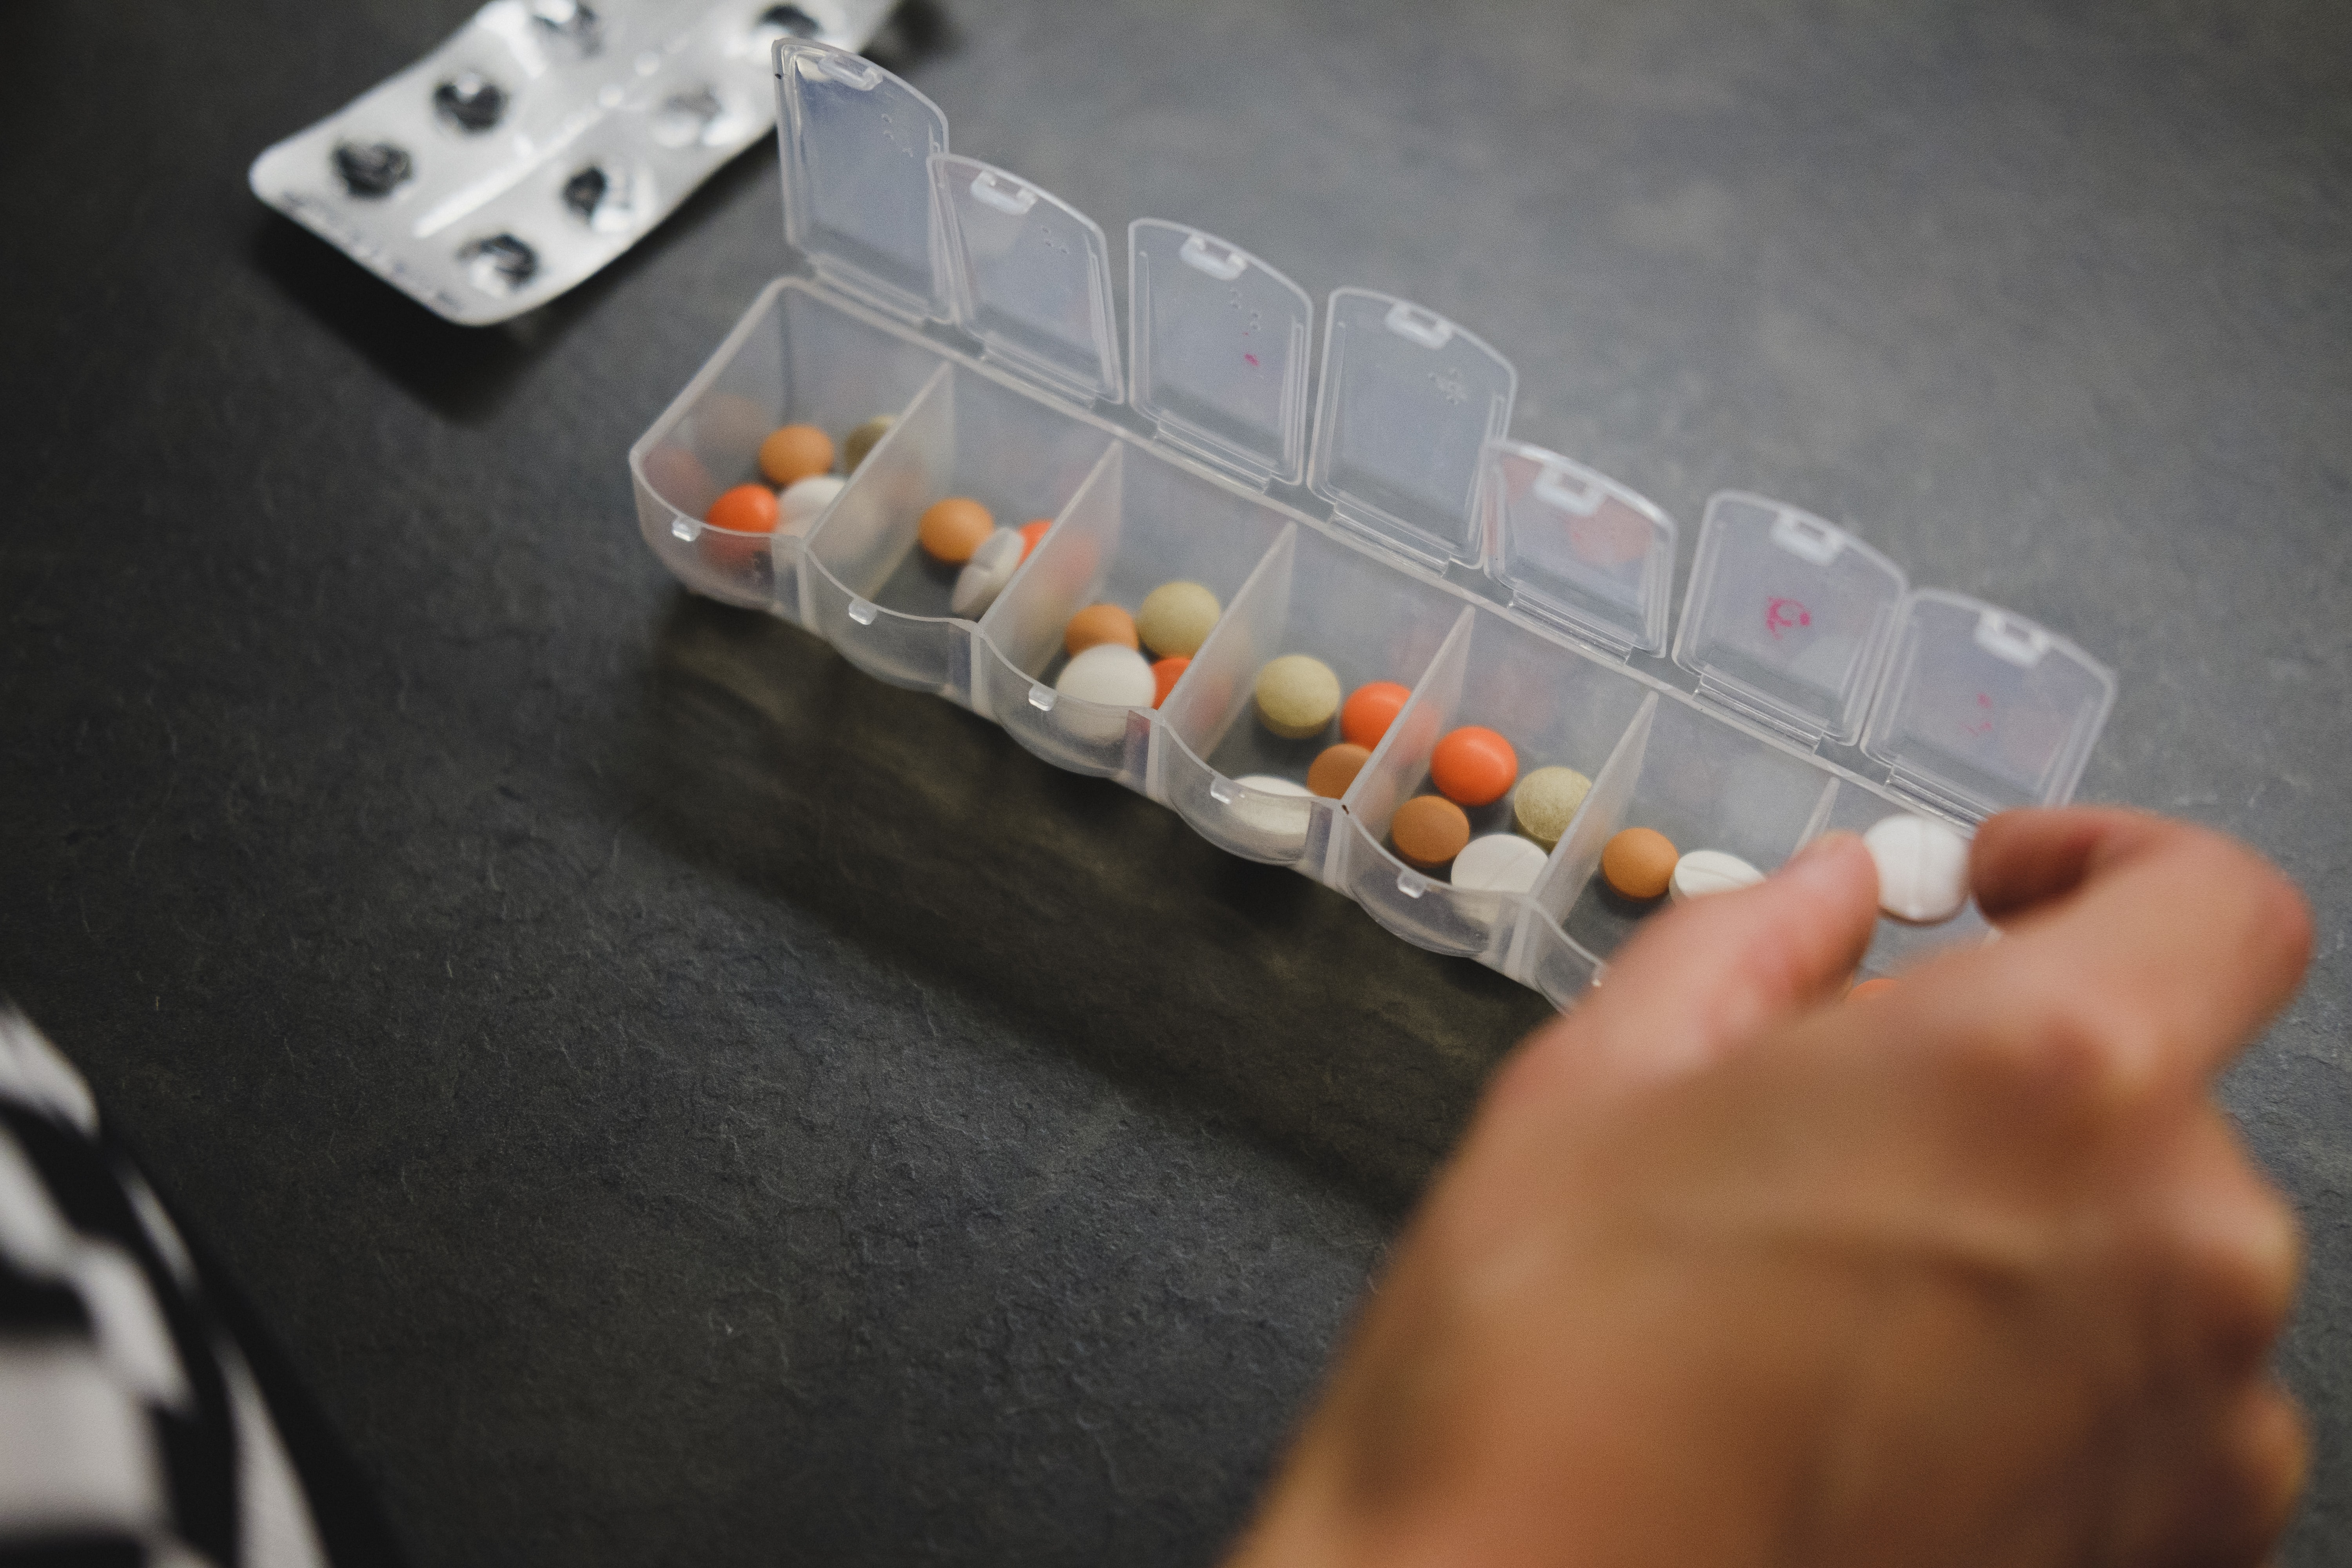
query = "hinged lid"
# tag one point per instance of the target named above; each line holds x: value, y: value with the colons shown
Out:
x: 1029, y: 276
x: 856, y: 144
x: 1577, y: 547
x: 1788, y: 616
x: 1408, y: 404
x: 1983, y: 710
x: 1217, y: 346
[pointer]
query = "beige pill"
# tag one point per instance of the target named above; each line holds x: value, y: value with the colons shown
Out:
x: 1297, y: 695
x: 1545, y: 802
x: 1176, y: 619
x: 861, y: 440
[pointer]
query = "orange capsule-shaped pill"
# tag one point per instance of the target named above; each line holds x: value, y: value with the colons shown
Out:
x: 1335, y: 769
x: 1638, y: 862
x: 952, y: 529
x: 794, y: 453
x: 1099, y: 623
x: 1429, y: 830
x: 1368, y: 711
x: 1473, y: 766
x: 746, y: 509
x: 1031, y: 533
x: 1165, y: 674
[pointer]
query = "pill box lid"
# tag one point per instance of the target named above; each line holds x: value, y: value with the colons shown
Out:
x: 1217, y: 349
x: 1577, y: 548
x: 855, y: 145
x: 1981, y: 710
x: 1029, y: 276
x: 1788, y: 617
x: 1408, y: 403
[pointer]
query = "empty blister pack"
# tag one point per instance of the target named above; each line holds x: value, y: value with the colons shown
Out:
x: 543, y: 139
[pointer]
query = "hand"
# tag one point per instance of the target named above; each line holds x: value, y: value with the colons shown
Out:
x: 1730, y: 1270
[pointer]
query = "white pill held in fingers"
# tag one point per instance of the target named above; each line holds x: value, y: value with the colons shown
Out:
x: 1499, y: 863
x: 1710, y: 871
x: 984, y: 576
x: 1923, y: 869
x: 801, y: 504
x: 1107, y: 673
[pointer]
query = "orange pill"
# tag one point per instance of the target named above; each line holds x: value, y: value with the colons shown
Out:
x: 795, y: 453
x: 1475, y: 766
x: 1870, y: 987
x: 1335, y: 769
x: 1099, y: 623
x: 746, y: 509
x: 952, y: 529
x: 1031, y: 533
x: 1165, y: 674
x: 1429, y: 830
x: 1370, y: 710
x: 1638, y: 862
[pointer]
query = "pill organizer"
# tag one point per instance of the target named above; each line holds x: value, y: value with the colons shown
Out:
x: 1370, y: 509
x: 540, y: 140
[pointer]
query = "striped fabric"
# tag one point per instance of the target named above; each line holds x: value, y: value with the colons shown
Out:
x: 131, y: 1429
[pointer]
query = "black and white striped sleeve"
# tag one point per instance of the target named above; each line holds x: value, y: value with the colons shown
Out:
x: 131, y: 1429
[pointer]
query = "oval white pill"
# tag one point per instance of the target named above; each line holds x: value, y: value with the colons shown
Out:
x: 1271, y: 784
x: 1499, y: 863
x: 1109, y: 674
x: 984, y: 576
x: 1923, y: 869
x: 1710, y: 871
x: 801, y: 504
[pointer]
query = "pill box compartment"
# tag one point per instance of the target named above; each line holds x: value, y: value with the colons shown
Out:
x: 1136, y: 524
x: 869, y: 588
x: 1312, y: 595
x: 1503, y: 585
x: 1557, y: 707
x: 796, y: 357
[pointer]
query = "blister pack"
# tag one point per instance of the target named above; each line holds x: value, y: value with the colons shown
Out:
x: 543, y: 139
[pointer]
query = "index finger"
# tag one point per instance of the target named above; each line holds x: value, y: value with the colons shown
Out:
x: 2161, y: 947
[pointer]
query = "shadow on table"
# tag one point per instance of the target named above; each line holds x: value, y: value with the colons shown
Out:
x: 1096, y: 919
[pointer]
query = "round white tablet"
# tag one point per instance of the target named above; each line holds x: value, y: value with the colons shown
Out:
x: 984, y: 576
x: 1710, y: 871
x: 1499, y: 863
x: 1923, y: 869
x: 1271, y: 784
x: 801, y: 504
x: 1109, y: 674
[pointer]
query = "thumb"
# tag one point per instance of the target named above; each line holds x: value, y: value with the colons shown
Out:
x: 1709, y: 974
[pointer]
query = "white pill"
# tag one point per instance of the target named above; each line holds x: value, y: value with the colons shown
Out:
x: 1109, y: 674
x: 801, y: 504
x: 1710, y: 871
x: 1270, y: 783
x: 1923, y: 869
x: 1499, y: 863
x: 984, y: 576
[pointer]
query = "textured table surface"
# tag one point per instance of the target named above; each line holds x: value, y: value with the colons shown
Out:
x: 678, y: 1101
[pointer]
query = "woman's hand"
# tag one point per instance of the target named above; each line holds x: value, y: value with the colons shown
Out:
x: 1730, y: 1270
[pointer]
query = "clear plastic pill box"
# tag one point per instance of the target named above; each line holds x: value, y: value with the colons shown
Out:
x: 1364, y: 503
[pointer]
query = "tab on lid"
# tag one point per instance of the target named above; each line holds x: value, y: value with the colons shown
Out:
x: 1029, y: 276
x: 1579, y: 548
x: 856, y: 144
x: 1788, y: 616
x: 1983, y: 710
x: 1217, y: 348
x: 1408, y: 404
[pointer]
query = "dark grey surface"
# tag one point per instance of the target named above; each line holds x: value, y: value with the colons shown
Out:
x: 680, y: 1101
